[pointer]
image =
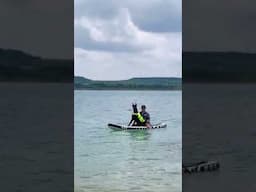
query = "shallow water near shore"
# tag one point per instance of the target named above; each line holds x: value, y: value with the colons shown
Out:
x: 107, y: 160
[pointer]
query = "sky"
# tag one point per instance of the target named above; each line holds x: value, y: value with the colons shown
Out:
x: 143, y: 34
x: 117, y: 40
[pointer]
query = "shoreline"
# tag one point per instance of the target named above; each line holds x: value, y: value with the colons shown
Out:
x: 127, y: 89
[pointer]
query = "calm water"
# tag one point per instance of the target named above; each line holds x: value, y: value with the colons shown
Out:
x: 107, y: 160
x: 37, y: 139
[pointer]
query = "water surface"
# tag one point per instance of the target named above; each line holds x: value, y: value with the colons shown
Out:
x: 107, y: 160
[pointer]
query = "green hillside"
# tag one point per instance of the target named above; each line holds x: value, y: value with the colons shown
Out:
x: 150, y: 83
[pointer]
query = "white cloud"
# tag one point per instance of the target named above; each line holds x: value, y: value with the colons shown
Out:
x: 156, y: 54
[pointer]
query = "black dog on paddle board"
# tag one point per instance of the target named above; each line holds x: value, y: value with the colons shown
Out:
x: 134, y: 120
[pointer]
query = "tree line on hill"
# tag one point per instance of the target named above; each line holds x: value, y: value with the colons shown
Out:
x: 149, y: 83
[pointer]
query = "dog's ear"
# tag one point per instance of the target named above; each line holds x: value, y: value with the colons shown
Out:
x: 135, y: 109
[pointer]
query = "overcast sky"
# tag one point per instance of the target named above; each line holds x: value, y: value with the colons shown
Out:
x: 122, y: 39
x: 132, y: 37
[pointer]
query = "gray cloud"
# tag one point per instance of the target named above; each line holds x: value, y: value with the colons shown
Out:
x: 83, y: 40
x: 148, y: 15
x: 96, y: 8
x: 161, y: 16
x: 124, y: 39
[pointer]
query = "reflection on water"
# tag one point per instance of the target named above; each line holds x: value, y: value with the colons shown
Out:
x: 140, y: 135
x: 135, y: 134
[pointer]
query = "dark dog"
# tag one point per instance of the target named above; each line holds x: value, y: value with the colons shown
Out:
x: 134, y: 120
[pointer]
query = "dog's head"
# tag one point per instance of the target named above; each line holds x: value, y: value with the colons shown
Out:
x: 134, y: 106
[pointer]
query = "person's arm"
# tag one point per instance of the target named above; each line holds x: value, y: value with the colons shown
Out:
x: 148, y: 124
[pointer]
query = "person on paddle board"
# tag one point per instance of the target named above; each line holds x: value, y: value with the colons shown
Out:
x: 145, y: 115
x: 141, y: 118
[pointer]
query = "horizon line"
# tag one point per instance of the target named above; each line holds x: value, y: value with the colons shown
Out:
x: 127, y: 78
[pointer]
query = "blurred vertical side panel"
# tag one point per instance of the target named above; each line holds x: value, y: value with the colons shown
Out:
x: 36, y: 100
x: 219, y: 56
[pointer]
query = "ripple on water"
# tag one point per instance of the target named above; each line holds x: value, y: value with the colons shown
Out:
x: 115, y: 161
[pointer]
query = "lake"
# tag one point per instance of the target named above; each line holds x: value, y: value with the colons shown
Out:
x: 107, y: 160
x: 37, y: 138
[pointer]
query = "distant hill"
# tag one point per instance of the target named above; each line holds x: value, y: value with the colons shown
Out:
x: 19, y: 66
x: 218, y: 67
x: 150, y: 83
